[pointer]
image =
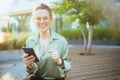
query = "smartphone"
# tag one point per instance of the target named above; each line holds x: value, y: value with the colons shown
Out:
x: 30, y: 51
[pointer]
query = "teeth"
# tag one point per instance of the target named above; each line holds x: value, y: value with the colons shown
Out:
x: 42, y: 27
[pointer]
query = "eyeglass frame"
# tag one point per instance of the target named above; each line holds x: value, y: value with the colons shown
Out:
x: 45, y: 18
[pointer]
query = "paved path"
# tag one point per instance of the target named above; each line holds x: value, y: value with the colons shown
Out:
x: 12, y: 70
x: 15, y: 70
x: 104, y: 66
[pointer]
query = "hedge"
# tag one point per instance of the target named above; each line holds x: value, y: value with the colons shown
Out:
x: 106, y: 33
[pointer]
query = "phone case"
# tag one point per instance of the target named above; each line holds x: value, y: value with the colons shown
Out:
x: 30, y: 51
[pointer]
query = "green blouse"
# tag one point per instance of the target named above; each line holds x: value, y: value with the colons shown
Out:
x: 48, y: 69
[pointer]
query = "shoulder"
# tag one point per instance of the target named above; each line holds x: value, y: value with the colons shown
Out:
x: 60, y: 38
x: 33, y: 38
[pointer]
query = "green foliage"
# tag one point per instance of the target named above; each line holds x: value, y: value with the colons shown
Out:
x: 76, y: 33
x: 91, y: 11
x: 73, y: 34
x: 105, y: 34
x: 66, y: 33
x: 111, y: 34
x: 14, y: 40
x: 99, y: 33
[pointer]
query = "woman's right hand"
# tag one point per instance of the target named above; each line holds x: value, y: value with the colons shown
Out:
x: 28, y: 60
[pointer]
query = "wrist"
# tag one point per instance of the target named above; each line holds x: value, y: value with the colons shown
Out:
x: 30, y: 66
x: 61, y: 63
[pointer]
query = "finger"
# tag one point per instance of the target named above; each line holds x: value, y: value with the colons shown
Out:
x: 30, y: 61
x: 28, y: 57
x: 50, y: 51
x: 25, y: 55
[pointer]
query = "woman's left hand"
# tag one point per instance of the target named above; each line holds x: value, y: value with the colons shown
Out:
x: 55, y: 56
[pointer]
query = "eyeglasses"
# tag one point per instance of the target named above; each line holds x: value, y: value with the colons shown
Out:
x: 39, y: 19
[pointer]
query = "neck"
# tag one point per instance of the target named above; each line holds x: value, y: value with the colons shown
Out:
x: 45, y: 35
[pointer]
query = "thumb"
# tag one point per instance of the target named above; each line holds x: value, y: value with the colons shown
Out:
x: 50, y: 51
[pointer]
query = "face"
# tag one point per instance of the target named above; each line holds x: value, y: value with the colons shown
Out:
x: 42, y: 19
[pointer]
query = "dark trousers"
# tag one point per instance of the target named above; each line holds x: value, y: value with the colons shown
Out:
x: 39, y: 78
x: 49, y: 79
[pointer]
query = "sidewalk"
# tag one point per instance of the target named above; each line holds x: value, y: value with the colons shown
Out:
x: 12, y: 70
x: 15, y: 69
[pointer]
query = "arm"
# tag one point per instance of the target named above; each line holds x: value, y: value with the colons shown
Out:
x: 65, y: 57
x: 31, y: 66
x: 63, y: 62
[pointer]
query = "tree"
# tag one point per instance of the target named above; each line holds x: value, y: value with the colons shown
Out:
x: 22, y: 20
x: 82, y: 11
x: 113, y: 11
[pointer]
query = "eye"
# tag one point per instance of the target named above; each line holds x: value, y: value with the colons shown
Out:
x: 38, y: 18
x: 45, y: 18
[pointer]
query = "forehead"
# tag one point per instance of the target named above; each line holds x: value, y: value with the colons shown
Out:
x: 41, y: 12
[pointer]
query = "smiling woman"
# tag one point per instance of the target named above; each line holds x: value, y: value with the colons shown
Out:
x: 50, y: 47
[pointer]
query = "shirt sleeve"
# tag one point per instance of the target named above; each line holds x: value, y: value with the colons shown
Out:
x: 66, y: 59
x: 35, y: 66
x: 33, y: 70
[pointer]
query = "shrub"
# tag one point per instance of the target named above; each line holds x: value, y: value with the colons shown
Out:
x: 110, y: 34
x: 76, y: 34
x: 106, y: 33
x: 14, y: 40
x: 66, y: 33
x: 98, y: 33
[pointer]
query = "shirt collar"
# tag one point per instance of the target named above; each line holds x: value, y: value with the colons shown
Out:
x: 53, y: 35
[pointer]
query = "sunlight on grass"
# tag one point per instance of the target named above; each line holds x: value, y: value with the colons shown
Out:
x: 1, y: 37
x: 13, y: 40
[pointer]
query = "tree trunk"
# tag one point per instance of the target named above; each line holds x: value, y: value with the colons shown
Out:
x: 84, y: 39
x: 78, y: 23
x: 90, y: 34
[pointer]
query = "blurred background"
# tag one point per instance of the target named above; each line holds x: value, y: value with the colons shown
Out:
x: 90, y: 27
x: 15, y: 20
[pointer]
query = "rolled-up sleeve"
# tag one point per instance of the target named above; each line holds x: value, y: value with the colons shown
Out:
x: 66, y: 59
x: 33, y: 70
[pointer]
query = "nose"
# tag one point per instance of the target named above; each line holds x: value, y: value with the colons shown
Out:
x: 42, y: 20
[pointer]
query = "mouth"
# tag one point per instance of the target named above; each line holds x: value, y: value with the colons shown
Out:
x: 42, y: 27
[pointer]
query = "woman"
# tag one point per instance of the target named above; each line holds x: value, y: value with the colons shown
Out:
x: 50, y: 47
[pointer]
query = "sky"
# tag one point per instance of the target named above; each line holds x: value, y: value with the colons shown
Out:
x: 6, y: 5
